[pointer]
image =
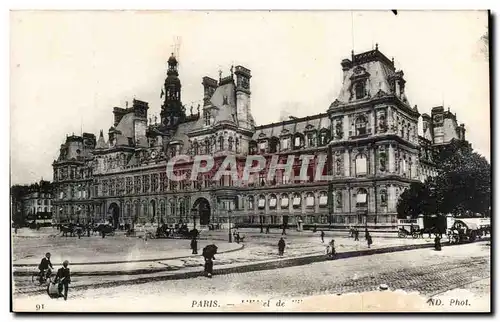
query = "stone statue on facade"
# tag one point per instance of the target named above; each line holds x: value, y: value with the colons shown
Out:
x: 338, y: 129
x: 339, y: 166
x: 382, y: 160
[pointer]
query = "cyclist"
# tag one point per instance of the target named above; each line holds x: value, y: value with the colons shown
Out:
x: 45, y: 267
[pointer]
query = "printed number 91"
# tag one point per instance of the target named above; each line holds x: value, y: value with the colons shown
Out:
x: 40, y: 307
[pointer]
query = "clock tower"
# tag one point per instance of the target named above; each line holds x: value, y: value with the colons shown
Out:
x: 172, y: 111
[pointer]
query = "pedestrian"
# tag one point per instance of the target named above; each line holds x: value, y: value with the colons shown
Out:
x: 369, y: 239
x: 281, y: 246
x: 88, y: 230
x: 15, y: 229
x: 331, y: 247
x: 209, y: 256
x: 366, y: 233
x: 79, y: 232
x: 261, y: 228
x: 194, y: 245
x: 268, y: 229
x: 103, y: 233
x: 437, y: 243
x: 63, y: 279
x: 238, y: 237
x: 315, y: 228
x: 356, y: 234
x: 284, y: 230
x: 322, y: 236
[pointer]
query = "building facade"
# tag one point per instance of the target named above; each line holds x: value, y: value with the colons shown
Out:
x: 367, y: 142
x: 36, y: 204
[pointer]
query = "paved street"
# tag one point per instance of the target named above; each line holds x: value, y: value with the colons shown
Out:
x: 425, y: 271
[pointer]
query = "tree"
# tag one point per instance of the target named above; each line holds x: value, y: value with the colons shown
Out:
x: 463, y: 185
x: 416, y: 200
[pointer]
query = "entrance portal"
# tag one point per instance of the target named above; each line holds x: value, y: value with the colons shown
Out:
x: 203, y: 207
x: 114, y: 212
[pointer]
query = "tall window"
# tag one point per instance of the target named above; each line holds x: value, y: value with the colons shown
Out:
x: 207, y: 146
x: 273, y: 145
x: 262, y: 146
x: 296, y: 200
x: 285, y: 144
x: 362, y: 198
x: 360, y: 90
x: 272, y: 201
x: 360, y: 165
x: 195, y: 148
x: 323, y: 199
x: 252, y: 147
x: 207, y: 117
x: 310, y: 200
x: 237, y: 145
x: 163, y: 181
x: 310, y: 139
x: 250, y: 203
x: 284, y: 201
x: 145, y: 183
x: 262, y: 202
x: 221, y: 143
x: 361, y: 125
x: 230, y: 143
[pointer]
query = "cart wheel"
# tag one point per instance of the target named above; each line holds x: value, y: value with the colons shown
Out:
x: 401, y: 235
x: 415, y: 235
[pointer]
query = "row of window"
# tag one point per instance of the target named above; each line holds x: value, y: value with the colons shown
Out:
x: 209, y: 146
x: 295, y: 142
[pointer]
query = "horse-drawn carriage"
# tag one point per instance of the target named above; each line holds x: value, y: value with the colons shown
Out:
x: 468, y: 229
x: 408, y: 227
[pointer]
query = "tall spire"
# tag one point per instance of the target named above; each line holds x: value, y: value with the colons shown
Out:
x: 171, y: 111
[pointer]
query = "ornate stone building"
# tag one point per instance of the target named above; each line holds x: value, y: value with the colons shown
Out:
x: 367, y: 141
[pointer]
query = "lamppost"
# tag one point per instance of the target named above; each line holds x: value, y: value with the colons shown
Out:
x: 229, y: 224
x: 193, y: 213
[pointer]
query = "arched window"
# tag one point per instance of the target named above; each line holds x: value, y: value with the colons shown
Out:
x: 311, y: 139
x: 310, y: 200
x: 284, y: 201
x: 195, y: 148
x: 360, y: 90
x: 230, y: 143
x: 221, y: 143
x: 262, y: 202
x: 172, y: 208
x: 262, y: 146
x: 296, y: 200
x: 273, y: 201
x: 250, y: 203
x: 323, y: 199
x: 361, y: 125
x: 324, y: 137
x: 298, y: 141
x: 252, y: 147
x: 207, y: 146
x: 237, y: 145
x: 162, y: 211
x: 274, y: 145
x: 361, y: 165
x: 383, y: 197
x: 361, y: 198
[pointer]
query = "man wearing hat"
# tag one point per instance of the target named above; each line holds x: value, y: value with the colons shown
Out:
x: 64, y: 279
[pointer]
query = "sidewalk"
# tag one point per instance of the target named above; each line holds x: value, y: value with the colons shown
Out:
x: 224, y: 269
x: 249, y: 254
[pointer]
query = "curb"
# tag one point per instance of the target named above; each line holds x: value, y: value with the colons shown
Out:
x: 133, y: 261
x: 299, y: 261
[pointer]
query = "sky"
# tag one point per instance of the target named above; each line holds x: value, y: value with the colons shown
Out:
x: 70, y: 68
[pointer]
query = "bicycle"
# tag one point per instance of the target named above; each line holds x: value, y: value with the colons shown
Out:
x: 42, y: 278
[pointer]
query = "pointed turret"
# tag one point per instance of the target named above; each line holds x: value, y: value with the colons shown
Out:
x: 101, y: 144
